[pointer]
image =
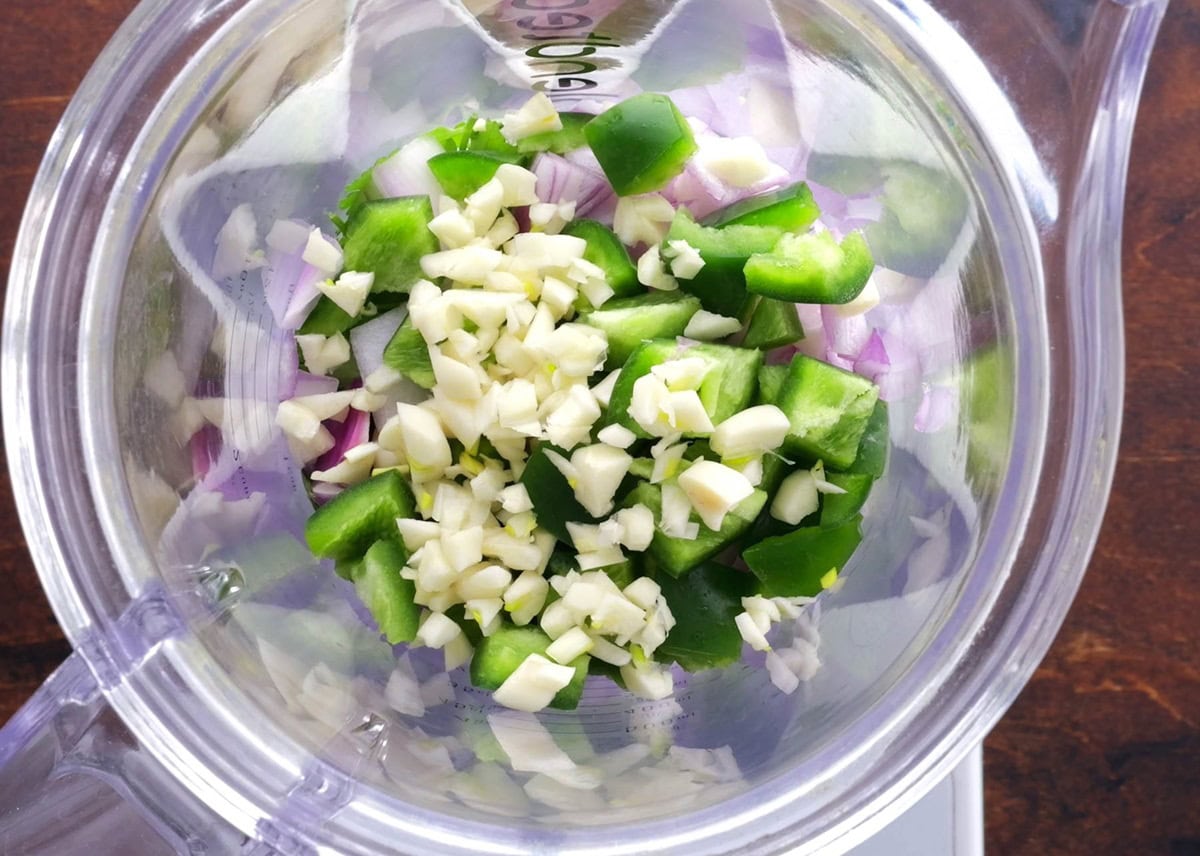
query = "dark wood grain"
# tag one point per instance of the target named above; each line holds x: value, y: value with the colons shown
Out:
x: 1101, y: 754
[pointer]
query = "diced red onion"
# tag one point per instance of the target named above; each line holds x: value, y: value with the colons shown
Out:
x: 406, y: 173
x: 845, y: 337
x: 813, y: 343
x: 842, y: 214
x: 311, y: 384
x: 903, y: 376
x: 353, y: 431
x: 290, y: 286
x: 938, y: 408
x: 561, y: 180
x: 235, y: 243
x: 368, y: 340
x: 702, y: 193
x: 325, y: 491
x: 289, y: 364
x: 781, y: 356
x: 205, y: 446
x: 872, y: 361
x: 304, y: 298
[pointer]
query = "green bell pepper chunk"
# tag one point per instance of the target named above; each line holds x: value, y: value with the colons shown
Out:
x: 839, y: 507
x: 641, y: 143
x: 804, y: 562
x: 792, y: 209
x: 721, y: 283
x: 605, y: 251
x: 388, y: 237
x: 387, y: 595
x: 552, y: 496
x: 499, y: 655
x: 775, y: 323
x: 770, y: 383
x: 704, y: 604
x: 873, y: 447
x: 629, y: 321
x: 329, y: 319
x: 408, y: 354
x: 462, y: 173
x: 559, y: 142
x: 812, y: 268
x: 678, y: 556
x: 828, y: 409
x: 346, y: 526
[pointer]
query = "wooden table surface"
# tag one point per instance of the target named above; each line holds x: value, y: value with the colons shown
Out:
x: 1101, y: 753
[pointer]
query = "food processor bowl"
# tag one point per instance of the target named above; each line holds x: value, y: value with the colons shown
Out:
x: 228, y: 692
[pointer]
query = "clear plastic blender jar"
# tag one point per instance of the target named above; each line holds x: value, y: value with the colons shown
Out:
x: 220, y: 672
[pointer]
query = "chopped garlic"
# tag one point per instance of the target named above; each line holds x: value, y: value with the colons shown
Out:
x: 617, y: 436
x: 713, y: 490
x: 796, y: 498
x: 536, y: 116
x: 600, y: 469
x: 349, y: 292
x: 354, y: 467
x: 866, y: 300
x: 649, y: 681
x: 437, y: 631
x: 570, y: 645
x: 686, y: 261
x: 524, y: 599
x: 453, y: 229
x: 652, y: 273
x: 637, y: 525
x: 642, y: 219
x: 322, y: 353
x: 751, y: 632
x: 751, y: 432
x: 323, y: 253
x: 534, y: 684
x: 739, y: 162
x: 707, y: 326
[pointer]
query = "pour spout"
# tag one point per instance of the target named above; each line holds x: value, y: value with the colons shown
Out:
x: 570, y: 49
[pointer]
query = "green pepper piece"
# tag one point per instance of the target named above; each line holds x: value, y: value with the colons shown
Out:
x: 732, y: 380
x: 727, y: 388
x: 329, y: 319
x: 775, y: 470
x: 775, y: 323
x: 829, y: 410
x: 873, y: 447
x: 552, y: 496
x: 812, y: 268
x: 408, y: 354
x: 605, y: 251
x: 629, y: 321
x: 356, y: 518
x: 499, y: 655
x: 387, y: 595
x: 770, y: 383
x: 462, y: 173
x: 839, y: 507
x: 388, y: 237
x: 678, y: 556
x: 804, y: 562
x: 641, y: 143
x: 704, y: 604
x: 791, y: 209
x: 560, y: 142
x: 721, y: 283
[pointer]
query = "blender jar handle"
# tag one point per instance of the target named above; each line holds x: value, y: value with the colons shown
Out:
x: 72, y: 776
